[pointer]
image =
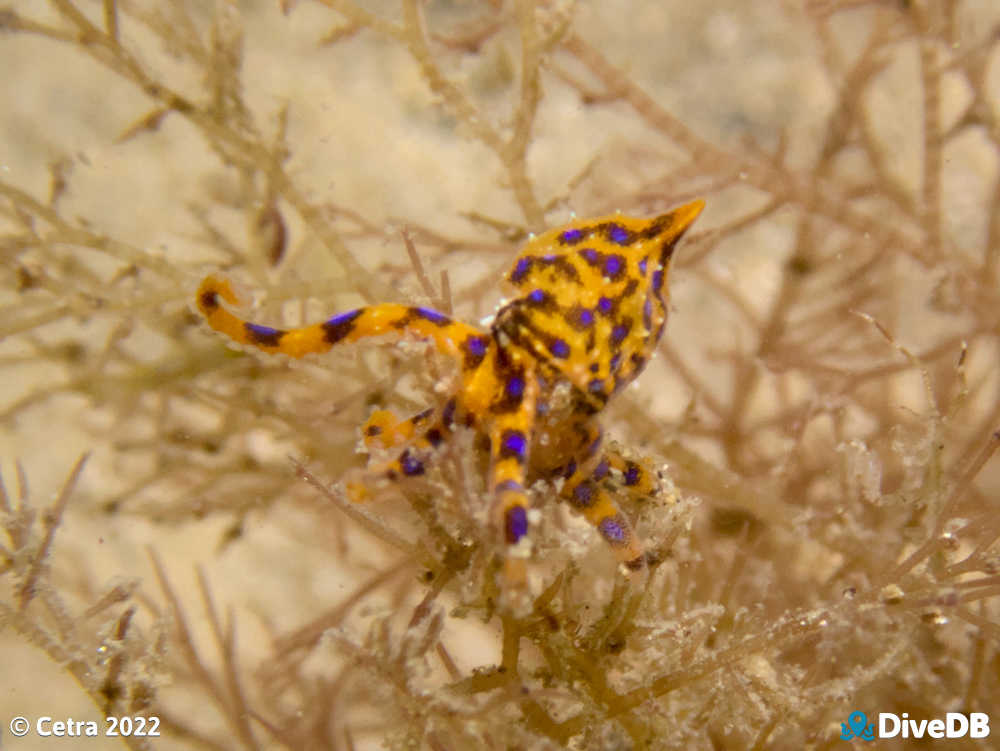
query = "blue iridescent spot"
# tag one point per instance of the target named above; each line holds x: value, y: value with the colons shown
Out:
x: 586, y: 317
x: 549, y: 257
x: 647, y: 314
x: 615, y: 362
x: 537, y: 295
x: 596, y: 386
x: 605, y: 305
x: 515, y: 387
x: 613, y: 265
x: 411, y: 466
x: 642, y: 267
x: 571, y: 236
x: 612, y: 530
x: 513, y: 443
x: 632, y: 475
x: 657, y: 280
x: 601, y: 470
x: 520, y: 270
x: 583, y: 493
x: 618, y: 334
x: 589, y: 255
x: 618, y: 234
x: 432, y: 315
x: 517, y: 524
x: 476, y: 345
x: 559, y: 348
x: 570, y: 469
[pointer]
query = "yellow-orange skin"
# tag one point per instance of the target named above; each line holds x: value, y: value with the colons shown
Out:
x: 589, y: 311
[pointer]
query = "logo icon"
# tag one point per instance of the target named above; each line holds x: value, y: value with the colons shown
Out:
x: 859, y: 727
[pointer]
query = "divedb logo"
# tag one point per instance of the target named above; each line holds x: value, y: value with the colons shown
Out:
x: 954, y: 725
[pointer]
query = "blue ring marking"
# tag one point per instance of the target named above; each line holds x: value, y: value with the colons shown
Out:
x: 647, y: 314
x: 476, y: 345
x: 515, y: 387
x: 612, y: 530
x: 601, y: 470
x: 583, y: 494
x: 432, y: 315
x: 642, y: 267
x: 585, y: 317
x: 571, y: 236
x: 342, y: 318
x: 605, y: 305
x: 613, y: 265
x: 411, y: 466
x: 590, y: 255
x: 341, y: 325
x: 516, y: 524
x: 632, y: 474
x: 618, y: 333
x: 559, y: 348
x: 596, y: 386
x: 537, y: 295
x: 657, y: 280
x: 262, y: 330
x: 618, y: 234
x: 513, y: 444
x: 509, y: 485
x: 264, y: 334
x: 521, y: 269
